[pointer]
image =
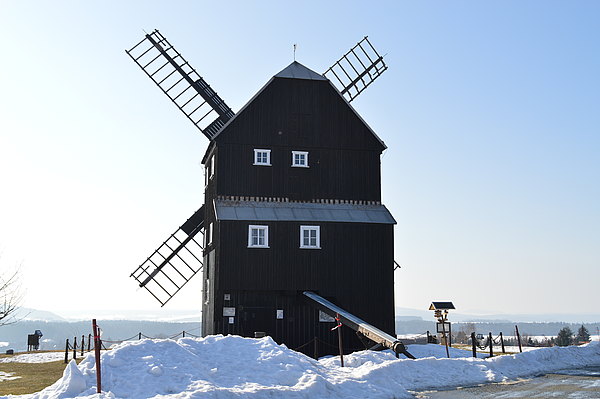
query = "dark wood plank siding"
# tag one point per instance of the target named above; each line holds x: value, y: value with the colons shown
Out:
x: 256, y: 311
x: 354, y: 266
x: 300, y: 115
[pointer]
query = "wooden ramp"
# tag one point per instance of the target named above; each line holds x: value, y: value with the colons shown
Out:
x: 348, y: 319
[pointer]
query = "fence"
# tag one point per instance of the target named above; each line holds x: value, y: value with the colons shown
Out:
x: 477, y: 342
x: 88, y: 345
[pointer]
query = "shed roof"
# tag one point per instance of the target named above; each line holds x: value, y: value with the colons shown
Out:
x: 302, y: 212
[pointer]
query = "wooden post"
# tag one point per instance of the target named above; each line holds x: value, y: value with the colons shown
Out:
x: 74, y: 347
x: 339, y: 328
x: 89, y: 341
x: 82, y: 342
x: 97, y: 344
x: 450, y: 334
x: 445, y: 338
x: 491, y: 345
x: 474, y: 344
x: 502, y: 342
x: 316, y: 349
x: 428, y: 339
x: 67, y: 351
x: 140, y: 335
x: 519, y: 339
x: 183, y: 334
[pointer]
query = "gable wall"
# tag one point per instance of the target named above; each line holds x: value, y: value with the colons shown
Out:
x: 300, y: 115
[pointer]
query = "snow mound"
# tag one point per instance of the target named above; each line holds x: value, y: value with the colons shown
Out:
x: 233, y: 367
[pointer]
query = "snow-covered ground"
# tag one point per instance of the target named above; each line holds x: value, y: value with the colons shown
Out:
x: 235, y: 367
x: 34, y: 357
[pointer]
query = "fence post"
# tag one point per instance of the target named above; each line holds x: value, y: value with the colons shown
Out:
x: 502, y: 342
x: 183, y: 334
x: 74, y: 347
x: 82, y: 342
x: 140, y: 335
x: 428, y: 338
x: 519, y: 339
x: 89, y: 341
x: 339, y: 328
x: 445, y: 338
x: 97, y: 355
x: 474, y: 344
x: 67, y: 351
x: 491, y: 345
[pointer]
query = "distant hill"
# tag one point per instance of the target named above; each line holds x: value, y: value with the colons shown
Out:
x: 508, y: 317
x: 34, y: 314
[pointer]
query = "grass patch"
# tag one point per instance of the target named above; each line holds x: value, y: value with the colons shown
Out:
x: 34, y: 376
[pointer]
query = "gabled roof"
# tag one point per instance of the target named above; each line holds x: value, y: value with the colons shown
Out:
x: 298, y: 71
x: 302, y: 212
x: 441, y: 305
x: 293, y: 71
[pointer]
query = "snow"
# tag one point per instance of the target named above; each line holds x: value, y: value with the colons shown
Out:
x: 235, y: 367
x: 34, y: 357
x: 4, y: 376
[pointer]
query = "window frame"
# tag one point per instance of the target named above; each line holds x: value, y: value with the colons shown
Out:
x: 264, y: 228
x: 304, y: 228
x: 299, y: 165
x: 260, y: 151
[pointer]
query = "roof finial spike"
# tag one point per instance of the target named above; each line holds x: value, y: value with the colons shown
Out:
x: 295, y: 46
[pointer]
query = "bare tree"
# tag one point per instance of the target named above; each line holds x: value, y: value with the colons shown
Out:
x: 11, y: 296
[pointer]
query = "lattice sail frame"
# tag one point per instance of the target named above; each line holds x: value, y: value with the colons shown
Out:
x: 181, y: 83
x: 175, y: 262
x: 357, y: 69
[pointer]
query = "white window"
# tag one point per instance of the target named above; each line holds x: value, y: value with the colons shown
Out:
x: 310, y: 237
x: 300, y: 159
x: 258, y: 236
x: 262, y: 157
x: 209, y: 234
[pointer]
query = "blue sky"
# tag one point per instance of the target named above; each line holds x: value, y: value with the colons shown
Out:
x: 489, y: 110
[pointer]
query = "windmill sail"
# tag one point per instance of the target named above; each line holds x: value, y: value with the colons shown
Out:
x: 175, y: 262
x: 181, y: 83
x: 356, y: 70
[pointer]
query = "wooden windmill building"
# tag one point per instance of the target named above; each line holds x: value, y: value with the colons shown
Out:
x: 294, y: 230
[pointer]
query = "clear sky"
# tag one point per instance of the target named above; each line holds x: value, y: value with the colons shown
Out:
x: 490, y: 111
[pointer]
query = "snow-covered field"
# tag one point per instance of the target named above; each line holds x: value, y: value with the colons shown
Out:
x: 235, y: 367
x: 34, y: 357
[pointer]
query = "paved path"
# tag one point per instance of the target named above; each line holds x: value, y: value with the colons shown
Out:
x: 576, y: 384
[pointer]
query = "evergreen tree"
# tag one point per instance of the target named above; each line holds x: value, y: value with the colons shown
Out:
x: 583, y: 335
x: 565, y: 337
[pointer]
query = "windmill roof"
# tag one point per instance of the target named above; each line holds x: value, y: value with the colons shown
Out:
x: 294, y: 71
x: 298, y: 71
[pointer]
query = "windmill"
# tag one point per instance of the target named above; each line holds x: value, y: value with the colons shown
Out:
x: 180, y: 256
